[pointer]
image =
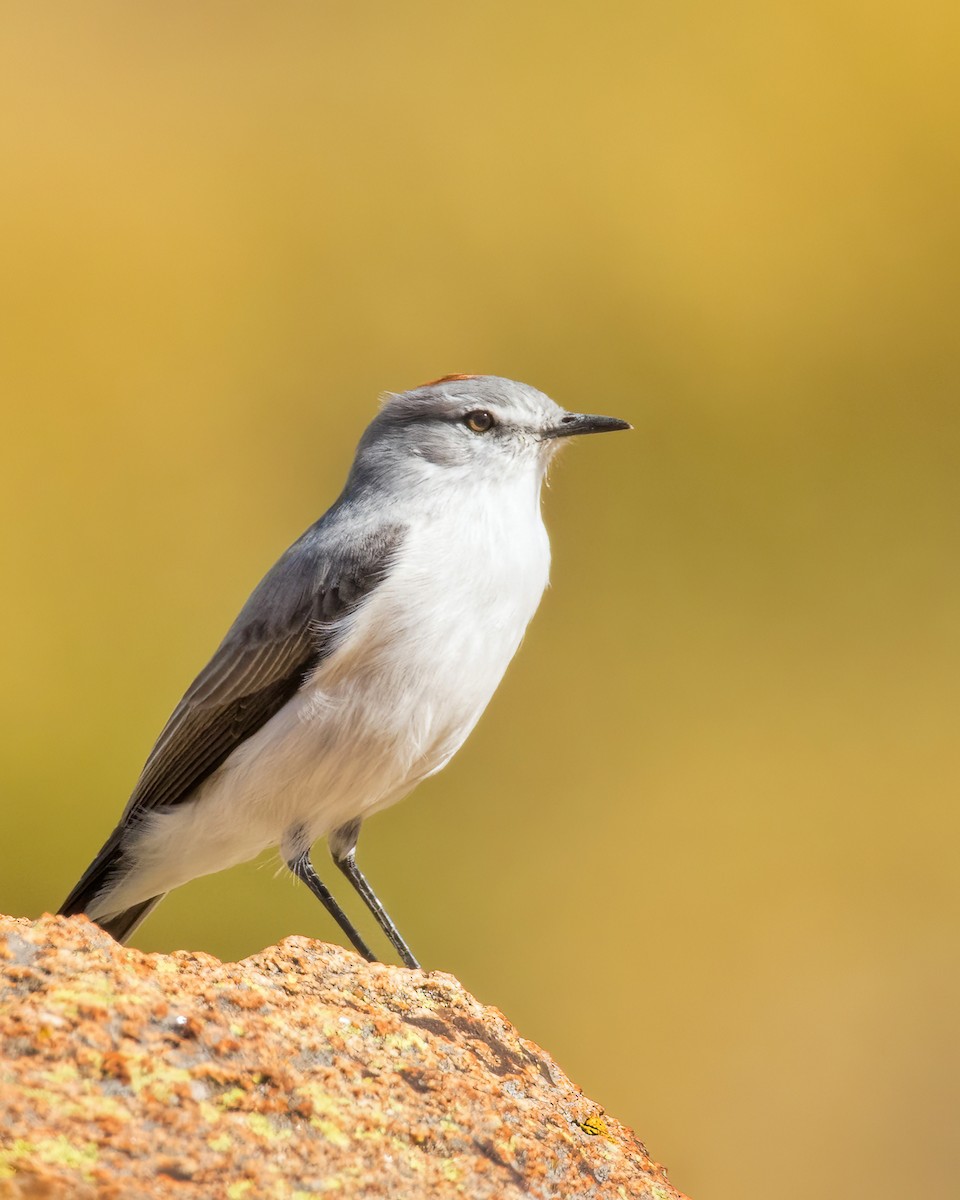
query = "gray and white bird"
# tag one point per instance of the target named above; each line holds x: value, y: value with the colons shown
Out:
x: 362, y: 660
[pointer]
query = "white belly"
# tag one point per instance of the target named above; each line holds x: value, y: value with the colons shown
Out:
x: 417, y: 667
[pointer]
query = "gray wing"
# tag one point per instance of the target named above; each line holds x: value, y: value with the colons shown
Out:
x: 288, y: 626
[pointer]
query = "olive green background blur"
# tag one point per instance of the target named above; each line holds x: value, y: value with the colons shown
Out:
x: 703, y: 845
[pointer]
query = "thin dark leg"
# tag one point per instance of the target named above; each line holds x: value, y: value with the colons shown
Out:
x: 346, y: 861
x: 302, y: 867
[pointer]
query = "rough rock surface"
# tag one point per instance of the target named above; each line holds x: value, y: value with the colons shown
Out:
x: 301, y: 1071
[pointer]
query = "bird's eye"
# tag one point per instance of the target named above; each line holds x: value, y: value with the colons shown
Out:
x: 479, y: 421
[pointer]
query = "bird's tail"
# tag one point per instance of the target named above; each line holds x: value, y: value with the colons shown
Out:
x: 96, y: 880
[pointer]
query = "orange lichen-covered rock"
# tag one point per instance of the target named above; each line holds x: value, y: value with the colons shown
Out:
x: 302, y: 1071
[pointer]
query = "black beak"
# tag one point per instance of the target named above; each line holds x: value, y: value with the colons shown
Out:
x: 572, y: 424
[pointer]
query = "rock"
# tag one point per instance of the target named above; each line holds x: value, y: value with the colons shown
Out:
x: 301, y: 1071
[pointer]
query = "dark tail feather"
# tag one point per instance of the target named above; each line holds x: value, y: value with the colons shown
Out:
x: 96, y: 879
x: 122, y: 924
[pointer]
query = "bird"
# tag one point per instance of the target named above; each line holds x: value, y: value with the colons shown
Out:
x: 361, y: 661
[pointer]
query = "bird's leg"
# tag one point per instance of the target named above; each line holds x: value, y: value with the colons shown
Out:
x: 343, y: 848
x: 302, y: 867
x: 348, y: 865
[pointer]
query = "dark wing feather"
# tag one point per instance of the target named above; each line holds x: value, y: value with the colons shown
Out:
x: 242, y: 687
x: 288, y: 626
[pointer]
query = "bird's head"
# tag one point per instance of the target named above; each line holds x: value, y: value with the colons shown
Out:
x: 476, y: 427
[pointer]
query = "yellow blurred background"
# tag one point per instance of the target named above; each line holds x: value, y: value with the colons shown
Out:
x: 703, y: 846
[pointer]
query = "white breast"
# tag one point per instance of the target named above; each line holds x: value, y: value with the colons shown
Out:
x: 429, y: 649
x: 451, y: 616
